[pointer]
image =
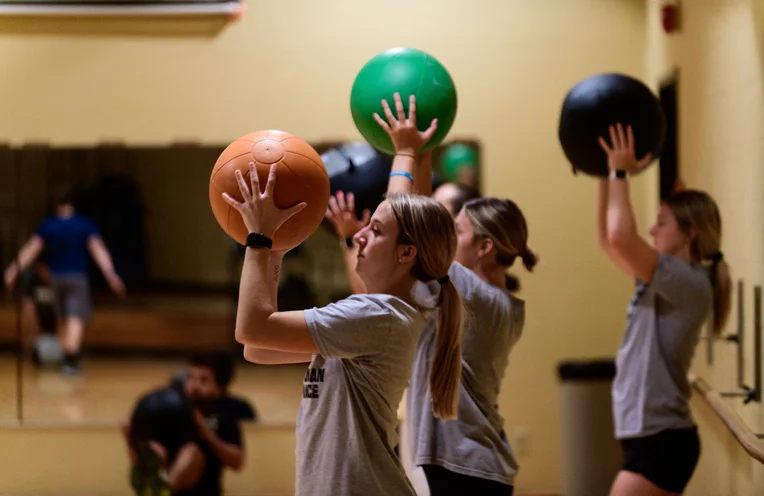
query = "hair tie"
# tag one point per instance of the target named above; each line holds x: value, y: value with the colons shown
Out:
x: 444, y: 280
x: 717, y: 257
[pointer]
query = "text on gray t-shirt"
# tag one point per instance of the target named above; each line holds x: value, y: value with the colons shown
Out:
x: 346, y: 426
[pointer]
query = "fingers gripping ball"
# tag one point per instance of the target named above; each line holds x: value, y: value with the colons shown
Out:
x: 409, y: 72
x: 300, y: 177
x: 595, y: 103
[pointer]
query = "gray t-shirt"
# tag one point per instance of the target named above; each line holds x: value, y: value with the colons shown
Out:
x: 471, y: 445
x: 651, y: 391
x: 346, y: 426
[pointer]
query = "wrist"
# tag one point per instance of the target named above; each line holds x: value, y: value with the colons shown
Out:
x: 259, y: 239
x: 406, y: 152
x: 621, y: 174
x: 278, y: 256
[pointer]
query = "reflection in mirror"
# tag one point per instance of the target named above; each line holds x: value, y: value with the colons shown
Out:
x: 127, y: 276
x: 10, y: 312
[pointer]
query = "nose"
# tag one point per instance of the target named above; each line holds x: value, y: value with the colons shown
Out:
x: 360, y: 237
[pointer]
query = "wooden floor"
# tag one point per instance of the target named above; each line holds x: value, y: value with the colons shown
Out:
x: 109, y: 388
x: 151, y: 322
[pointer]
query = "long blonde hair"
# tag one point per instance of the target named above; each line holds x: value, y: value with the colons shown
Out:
x: 697, y: 214
x: 503, y: 222
x: 428, y: 226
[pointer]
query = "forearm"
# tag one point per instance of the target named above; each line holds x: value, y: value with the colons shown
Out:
x: 398, y: 183
x: 273, y: 357
x: 423, y: 175
x: 264, y: 356
x: 602, y: 212
x: 277, y: 261
x: 101, y: 256
x: 620, y: 222
x: 256, y: 295
x: 230, y: 455
x: 26, y: 256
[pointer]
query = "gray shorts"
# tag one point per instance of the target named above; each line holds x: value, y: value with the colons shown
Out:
x: 71, y: 296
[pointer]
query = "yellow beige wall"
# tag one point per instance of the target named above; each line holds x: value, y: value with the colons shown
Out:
x: 290, y: 65
x: 719, y: 57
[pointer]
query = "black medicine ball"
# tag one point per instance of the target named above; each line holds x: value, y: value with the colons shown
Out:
x: 165, y: 416
x: 599, y: 101
x: 358, y: 168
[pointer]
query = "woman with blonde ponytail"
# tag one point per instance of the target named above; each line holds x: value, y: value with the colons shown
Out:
x: 445, y: 371
x: 469, y: 454
x: 361, y: 348
x: 681, y: 280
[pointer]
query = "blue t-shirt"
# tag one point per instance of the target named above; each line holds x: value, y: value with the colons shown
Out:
x: 66, y: 240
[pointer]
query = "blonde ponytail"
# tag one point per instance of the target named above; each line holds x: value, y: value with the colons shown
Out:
x: 428, y: 226
x: 722, y: 286
x: 697, y: 215
x: 446, y: 368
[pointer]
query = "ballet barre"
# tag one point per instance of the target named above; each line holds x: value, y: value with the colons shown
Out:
x: 746, y: 392
x: 751, y: 442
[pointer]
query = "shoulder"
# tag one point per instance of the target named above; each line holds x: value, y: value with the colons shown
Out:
x: 392, y: 306
x: 379, y: 308
x: 463, y: 278
x: 692, y: 278
x: 48, y: 223
x: 370, y: 304
x: 476, y: 292
x: 85, y: 221
x: 513, y: 310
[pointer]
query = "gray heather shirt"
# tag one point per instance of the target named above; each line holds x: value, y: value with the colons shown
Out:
x: 346, y: 426
x: 651, y: 391
x: 471, y: 445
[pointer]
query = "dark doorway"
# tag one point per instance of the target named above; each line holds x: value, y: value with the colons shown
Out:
x: 669, y: 161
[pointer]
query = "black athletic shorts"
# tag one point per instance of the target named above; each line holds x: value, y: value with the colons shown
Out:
x: 443, y: 482
x: 666, y: 459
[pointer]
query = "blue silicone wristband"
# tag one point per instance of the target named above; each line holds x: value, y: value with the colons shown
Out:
x: 402, y: 173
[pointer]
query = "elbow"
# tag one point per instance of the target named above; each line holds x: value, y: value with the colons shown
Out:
x: 251, y: 326
x: 603, y: 243
x: 241, y: 337
x: 244, y: 336
x: 254, y: 355
x: 618, y: 239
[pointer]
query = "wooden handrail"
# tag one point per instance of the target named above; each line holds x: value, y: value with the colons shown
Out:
x: 747, y: 439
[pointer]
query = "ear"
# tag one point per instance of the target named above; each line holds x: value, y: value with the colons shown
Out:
x: 406, y: 253
x: 692, y: 234
x: 485, y: 246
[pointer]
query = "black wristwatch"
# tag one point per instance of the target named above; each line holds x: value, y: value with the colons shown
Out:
x: 618, y: 174
x: 256, y: 240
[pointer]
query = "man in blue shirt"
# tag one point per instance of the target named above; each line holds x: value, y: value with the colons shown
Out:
x: 69, y: 237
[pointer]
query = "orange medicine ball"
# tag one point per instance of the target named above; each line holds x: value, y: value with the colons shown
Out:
x: 300, y: 177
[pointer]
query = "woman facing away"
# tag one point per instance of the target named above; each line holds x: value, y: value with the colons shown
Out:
x: 468, y: 455
x: 361, y: 348
x: 680, y: 280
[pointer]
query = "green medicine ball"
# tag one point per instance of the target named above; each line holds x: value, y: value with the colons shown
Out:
x: 406, y: 71
x: 455, y: 157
